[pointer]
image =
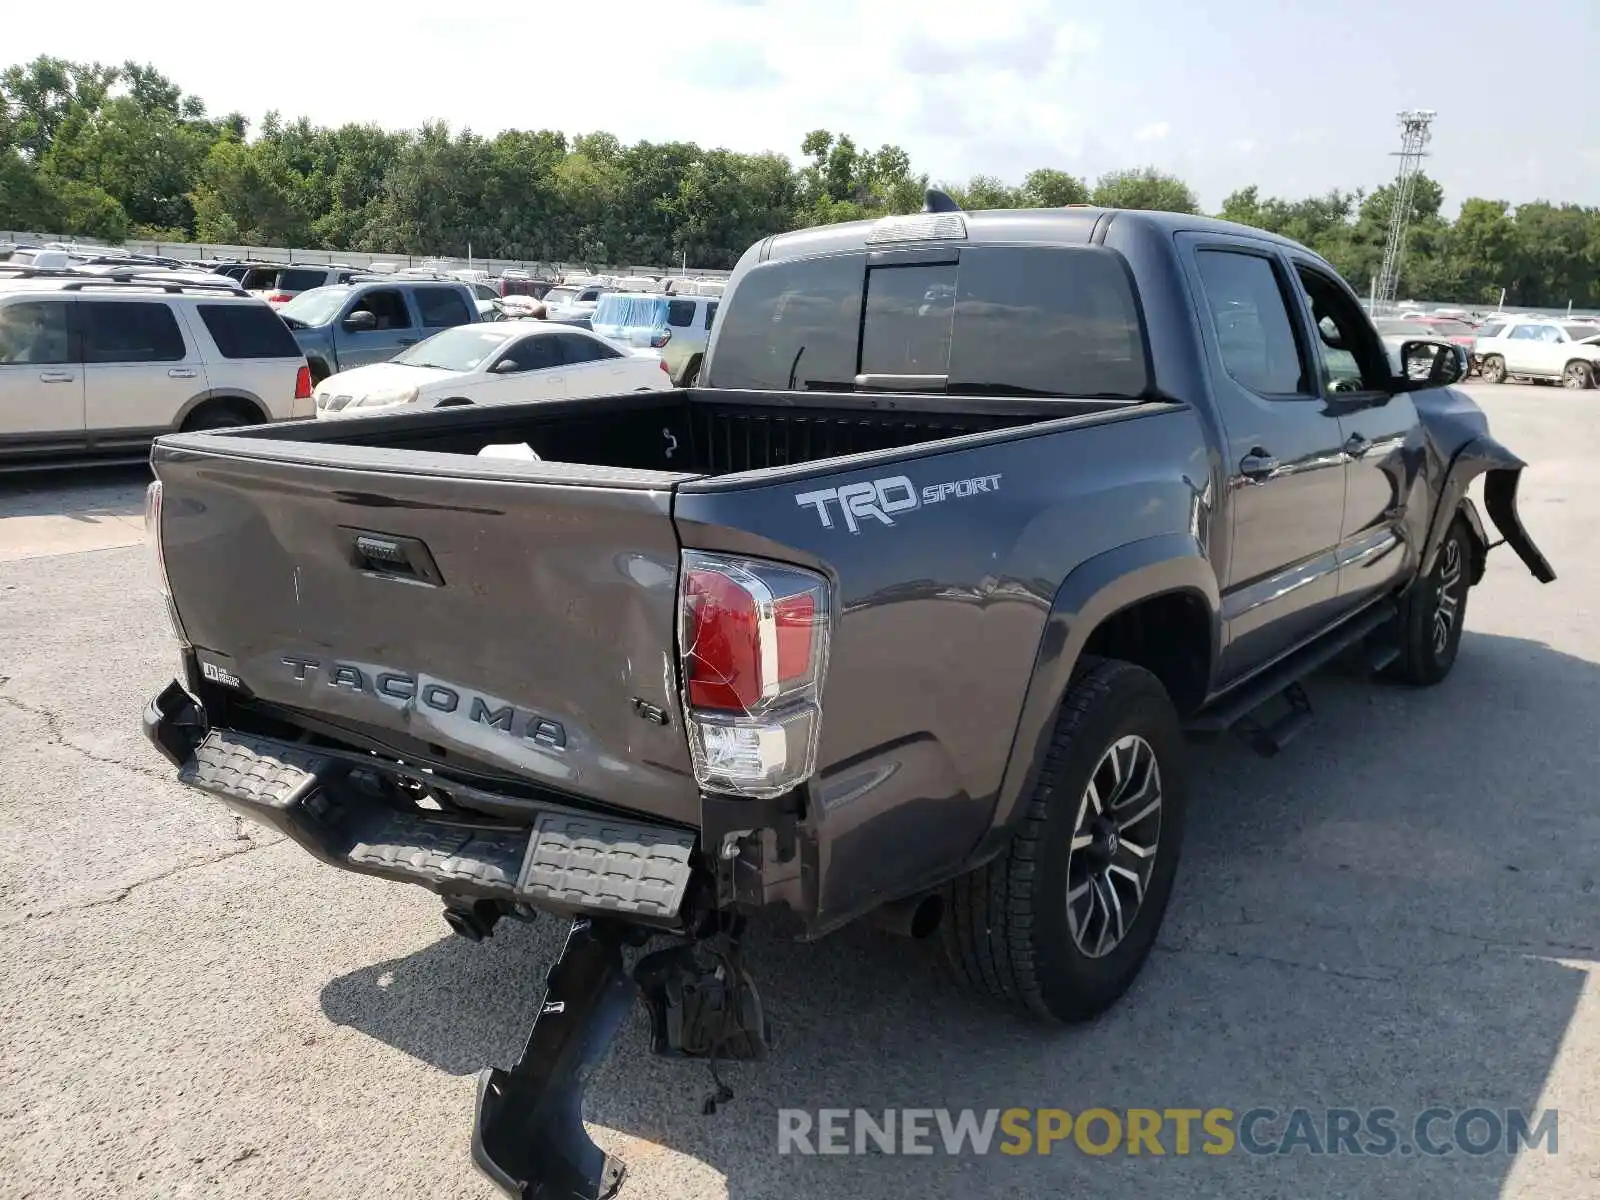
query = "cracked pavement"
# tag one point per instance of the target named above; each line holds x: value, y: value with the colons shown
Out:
x: 1401, y: 910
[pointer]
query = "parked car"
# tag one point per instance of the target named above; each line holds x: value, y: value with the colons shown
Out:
x: 504, y: 363
x: 901, y: 616
x: 95, y: 368
x: 575, y: 305
x: 279, y: 284
x: 677, y: 326
x: 1397, y: 331
x: 350, y: 325
x: 1539, y: 349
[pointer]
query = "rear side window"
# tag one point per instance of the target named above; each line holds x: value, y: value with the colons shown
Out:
x: 442, y: 307
x: 680, y: 313
x: 129, y: 332
x: 711, y: 313
x: 1252, y: 322
x: 575, y: 349
x: 301, y: 279
x: 248, y: 331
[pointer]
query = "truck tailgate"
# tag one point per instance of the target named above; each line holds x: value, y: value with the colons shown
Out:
x: 501, y: 624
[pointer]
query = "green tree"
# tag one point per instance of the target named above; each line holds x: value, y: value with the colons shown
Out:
x: 1050, y: 188
x: 1144, y: 187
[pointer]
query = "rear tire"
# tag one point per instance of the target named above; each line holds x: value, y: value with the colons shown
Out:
x: 1494, y: 369
x: 1433, y: 611
x: 219, y: 416
x: 1039, y: 925
x: 1578, y: 375
x: 692, y: 375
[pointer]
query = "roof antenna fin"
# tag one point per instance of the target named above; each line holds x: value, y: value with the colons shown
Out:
x: 935, y: 201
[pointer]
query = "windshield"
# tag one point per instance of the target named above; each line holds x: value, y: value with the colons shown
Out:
x: 618, y: 310
x: 559, y: 296
x: 463, y: 348
x: 316, y: 307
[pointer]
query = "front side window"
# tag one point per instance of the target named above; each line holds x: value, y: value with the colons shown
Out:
x: 35, y: 332
x: 387, y: 306
x: 129, y: 331
x: 1525, y: 333
x: 1351, y: 361
x: 1251, y: 319
x: 538, y: 352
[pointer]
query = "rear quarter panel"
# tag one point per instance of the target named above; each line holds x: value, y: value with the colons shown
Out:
x: 939, y: 618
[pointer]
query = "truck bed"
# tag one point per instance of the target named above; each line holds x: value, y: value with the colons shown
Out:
x: 699, y: 432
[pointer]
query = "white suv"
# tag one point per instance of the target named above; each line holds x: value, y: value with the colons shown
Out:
x: 1539, y: 349
x: 96, y: 368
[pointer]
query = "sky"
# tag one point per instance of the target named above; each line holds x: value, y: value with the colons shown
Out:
x: 1295, y: 97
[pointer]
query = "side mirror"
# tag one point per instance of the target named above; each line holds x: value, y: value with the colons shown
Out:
x: 1429, y: 364
x: 506, y: 366
x: 361, y: 322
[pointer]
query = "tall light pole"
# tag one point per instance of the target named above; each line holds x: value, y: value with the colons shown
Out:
x: 1416, y: 129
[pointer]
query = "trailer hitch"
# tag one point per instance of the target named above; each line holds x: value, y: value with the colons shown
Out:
x: 528, y: 1133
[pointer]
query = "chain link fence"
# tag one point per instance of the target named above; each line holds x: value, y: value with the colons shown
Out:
x: 494, y: 266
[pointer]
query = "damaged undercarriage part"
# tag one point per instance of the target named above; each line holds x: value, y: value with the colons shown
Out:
x: 528, y: 1135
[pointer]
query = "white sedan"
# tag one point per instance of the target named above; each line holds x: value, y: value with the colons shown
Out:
x: 498, y: 362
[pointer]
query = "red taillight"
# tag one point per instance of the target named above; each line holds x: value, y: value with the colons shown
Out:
x: 754, y: 649
x: 662, y: 363
x: 302, y: 384
x: 660, y: 339
x: 279, y: 297
x: 722, y: 653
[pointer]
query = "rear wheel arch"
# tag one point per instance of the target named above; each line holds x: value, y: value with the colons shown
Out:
x: 205, y: 410
x: 319, y: 369
x: 1104, y: 599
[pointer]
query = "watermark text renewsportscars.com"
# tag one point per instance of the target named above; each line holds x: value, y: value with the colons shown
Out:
x: 1434, y: 1132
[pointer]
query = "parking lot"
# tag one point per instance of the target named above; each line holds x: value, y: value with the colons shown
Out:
x: 1400, y: 911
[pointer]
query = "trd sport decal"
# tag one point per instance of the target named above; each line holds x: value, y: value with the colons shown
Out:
x: 881, y: 499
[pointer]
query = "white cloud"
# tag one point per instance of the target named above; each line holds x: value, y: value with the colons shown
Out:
x: 1154, y: 132
x: 996, y: 91
x: 1243, y: 145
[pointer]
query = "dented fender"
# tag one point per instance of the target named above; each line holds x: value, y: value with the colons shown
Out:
x: 1502, y: 472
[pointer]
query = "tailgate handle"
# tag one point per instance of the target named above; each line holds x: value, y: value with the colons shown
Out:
x: 392, y: 556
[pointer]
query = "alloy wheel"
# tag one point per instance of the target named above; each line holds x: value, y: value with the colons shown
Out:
x: 1574, y: 377
x: 1448, y: 605
x: 1113, y: 848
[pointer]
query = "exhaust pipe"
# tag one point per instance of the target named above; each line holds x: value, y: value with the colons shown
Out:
x: 914, y: 917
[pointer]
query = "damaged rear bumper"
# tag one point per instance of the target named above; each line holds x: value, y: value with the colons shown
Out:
x: 351, y: 816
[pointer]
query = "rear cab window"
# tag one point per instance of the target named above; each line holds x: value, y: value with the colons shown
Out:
x: 1017, y: 321
x: 248, y: 331
x: 680, y: 313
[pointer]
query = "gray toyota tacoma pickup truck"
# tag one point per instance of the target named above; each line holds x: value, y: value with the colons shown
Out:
x: 903, y: 616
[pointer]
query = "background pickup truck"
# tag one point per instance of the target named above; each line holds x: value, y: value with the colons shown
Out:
x: 349, y: 325
x: 904, y: 613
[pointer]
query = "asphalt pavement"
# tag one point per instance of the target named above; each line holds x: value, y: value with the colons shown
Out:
x: 1400, y: 911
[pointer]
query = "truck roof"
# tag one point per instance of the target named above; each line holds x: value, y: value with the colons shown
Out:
x: 1071, y: 225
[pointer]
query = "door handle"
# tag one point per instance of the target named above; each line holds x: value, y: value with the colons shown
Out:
x: 1355, y: 445
x: 56, y: 376
x: 1258, y: 465
x: 181, y: 373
